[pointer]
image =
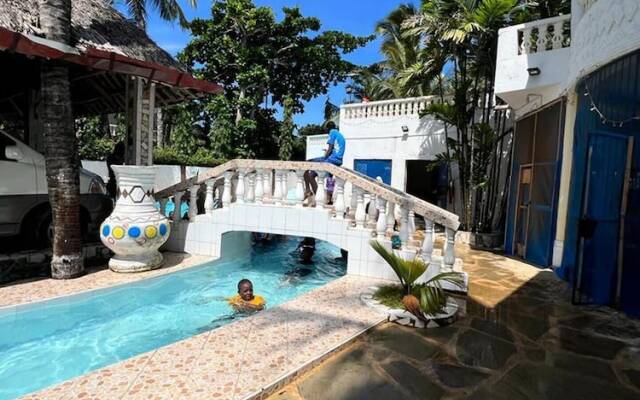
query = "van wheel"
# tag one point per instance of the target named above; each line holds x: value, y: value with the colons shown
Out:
x: 43, y: 234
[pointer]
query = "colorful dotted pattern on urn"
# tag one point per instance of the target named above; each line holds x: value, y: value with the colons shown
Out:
x: 118, y: 232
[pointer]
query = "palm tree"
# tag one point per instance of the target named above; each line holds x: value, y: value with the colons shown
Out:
x: 169, y: 10
x: 60, y: 146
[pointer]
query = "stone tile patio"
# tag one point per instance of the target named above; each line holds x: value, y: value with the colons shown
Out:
x: 520, y: 339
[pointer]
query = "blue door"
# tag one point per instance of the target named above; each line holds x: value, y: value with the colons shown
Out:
x: 600, y: 222
x: 374, y: 169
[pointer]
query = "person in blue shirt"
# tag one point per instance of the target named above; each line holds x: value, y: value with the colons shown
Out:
x: 333, y: 155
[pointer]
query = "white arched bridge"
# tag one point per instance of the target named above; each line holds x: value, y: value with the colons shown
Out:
x: 267, y: 196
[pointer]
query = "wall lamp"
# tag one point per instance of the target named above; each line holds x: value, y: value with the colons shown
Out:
x: 535, y: 71
x: 405, y: 132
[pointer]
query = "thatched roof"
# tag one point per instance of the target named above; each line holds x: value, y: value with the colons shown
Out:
x: 107, y: 51
x: 95, y: 24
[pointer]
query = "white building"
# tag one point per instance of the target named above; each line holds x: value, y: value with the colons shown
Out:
x: 574, y: 84
x: 390, y: 140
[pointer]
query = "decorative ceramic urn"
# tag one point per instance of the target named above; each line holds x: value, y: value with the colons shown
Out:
x: 135, y: 230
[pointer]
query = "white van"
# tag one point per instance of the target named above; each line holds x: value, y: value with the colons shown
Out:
x: 24, y: 202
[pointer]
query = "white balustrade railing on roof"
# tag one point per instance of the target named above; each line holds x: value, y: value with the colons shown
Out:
x: 412, y: 106
x: 544, y: 35
x: 265, y: 182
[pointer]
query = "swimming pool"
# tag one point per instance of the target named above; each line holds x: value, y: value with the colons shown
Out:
x: 49, y: 342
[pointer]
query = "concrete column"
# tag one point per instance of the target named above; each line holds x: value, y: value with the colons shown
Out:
x: 565, y: 177
x: 177, y: 201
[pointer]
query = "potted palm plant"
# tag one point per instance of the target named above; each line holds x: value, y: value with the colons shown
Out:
x: 426, y: 301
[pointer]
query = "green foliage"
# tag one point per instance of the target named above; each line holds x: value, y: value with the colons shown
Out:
x: 311, y: 129
x: 169, y: 10
x: 286, y: 138
x: 172, y: 156
x: 432, y: 297
x: 94, y: 139
x: 391, y: 295
x: 406, y: 270
x: 262, y: 63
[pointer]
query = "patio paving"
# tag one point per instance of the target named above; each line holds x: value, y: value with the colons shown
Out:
x: 520, y: 339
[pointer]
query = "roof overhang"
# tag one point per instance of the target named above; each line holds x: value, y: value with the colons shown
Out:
x: 92, y: 58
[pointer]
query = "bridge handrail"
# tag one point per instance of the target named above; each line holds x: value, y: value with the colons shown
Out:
x: 418, y: 206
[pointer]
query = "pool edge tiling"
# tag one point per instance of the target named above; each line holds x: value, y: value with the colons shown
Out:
x: 34, y: 291
x: 238, y: 360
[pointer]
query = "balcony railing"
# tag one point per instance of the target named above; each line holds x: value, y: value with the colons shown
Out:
x: 388, y: 108
x: 544, y: 35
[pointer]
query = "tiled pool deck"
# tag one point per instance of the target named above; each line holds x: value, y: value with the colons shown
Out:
x: 235, y: 361
x: 96, y: 278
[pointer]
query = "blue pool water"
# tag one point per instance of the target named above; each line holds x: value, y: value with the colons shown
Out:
x: 49, y: 342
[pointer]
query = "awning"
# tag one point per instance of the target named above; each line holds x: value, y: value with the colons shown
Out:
x: 33, y: 46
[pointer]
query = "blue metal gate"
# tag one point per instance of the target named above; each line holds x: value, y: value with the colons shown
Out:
x: 600, y: 223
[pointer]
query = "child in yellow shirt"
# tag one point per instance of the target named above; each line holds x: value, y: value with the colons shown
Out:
x: 245, y: 301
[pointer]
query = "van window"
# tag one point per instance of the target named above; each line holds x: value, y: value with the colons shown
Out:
x: 4, y: 142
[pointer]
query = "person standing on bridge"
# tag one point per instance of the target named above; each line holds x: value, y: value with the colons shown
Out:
x: 333, y: 154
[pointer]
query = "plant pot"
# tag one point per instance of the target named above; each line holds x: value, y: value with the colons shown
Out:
x: 135, y: 230
x: 491, y: 240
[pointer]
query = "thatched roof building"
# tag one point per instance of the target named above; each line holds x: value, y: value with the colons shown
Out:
x: 107, y: 50
x: 95, y: 24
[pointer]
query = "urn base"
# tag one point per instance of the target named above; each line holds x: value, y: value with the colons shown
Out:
x: 135, y: 262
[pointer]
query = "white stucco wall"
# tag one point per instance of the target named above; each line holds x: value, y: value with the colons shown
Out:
x: 513, y: 82
x: 371, y: 137
x: 603, y: 30
x: 166, y: 175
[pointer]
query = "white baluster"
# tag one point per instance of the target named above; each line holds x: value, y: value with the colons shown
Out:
x: 251, y: 190
x: 240, y: 187
x: 226, y: 193
x: 208, y: 198
x: 285, y: 187
x: 558, y: 35
x: 299, y: 187
x: 381, y: 225
x: 266, y: 183
x: 404, y: 226
x: 427, y: 244
x: 360, y: 213
x: 391, y: 217
x: 259, y: 188
x: 193, y: 202
x: 277, y: 187
x: 339, y: 205
x: 372, y: 215
x: 541, y: 40
x: 321, y: 195
x: 353, y: 203
x: 525, y: 47
x: 163, y: 205
x: 449, y: 251
x: 177, y: 202
x: 412, y: 223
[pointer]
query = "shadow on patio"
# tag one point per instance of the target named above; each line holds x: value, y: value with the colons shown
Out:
x: 520, y: 339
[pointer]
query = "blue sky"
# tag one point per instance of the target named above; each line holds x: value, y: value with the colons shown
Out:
x: 357, y: 17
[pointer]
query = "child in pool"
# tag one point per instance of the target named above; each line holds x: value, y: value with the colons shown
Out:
x: 245, y: 301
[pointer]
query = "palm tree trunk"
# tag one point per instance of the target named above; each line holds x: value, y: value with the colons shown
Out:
x: 60, y: 146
